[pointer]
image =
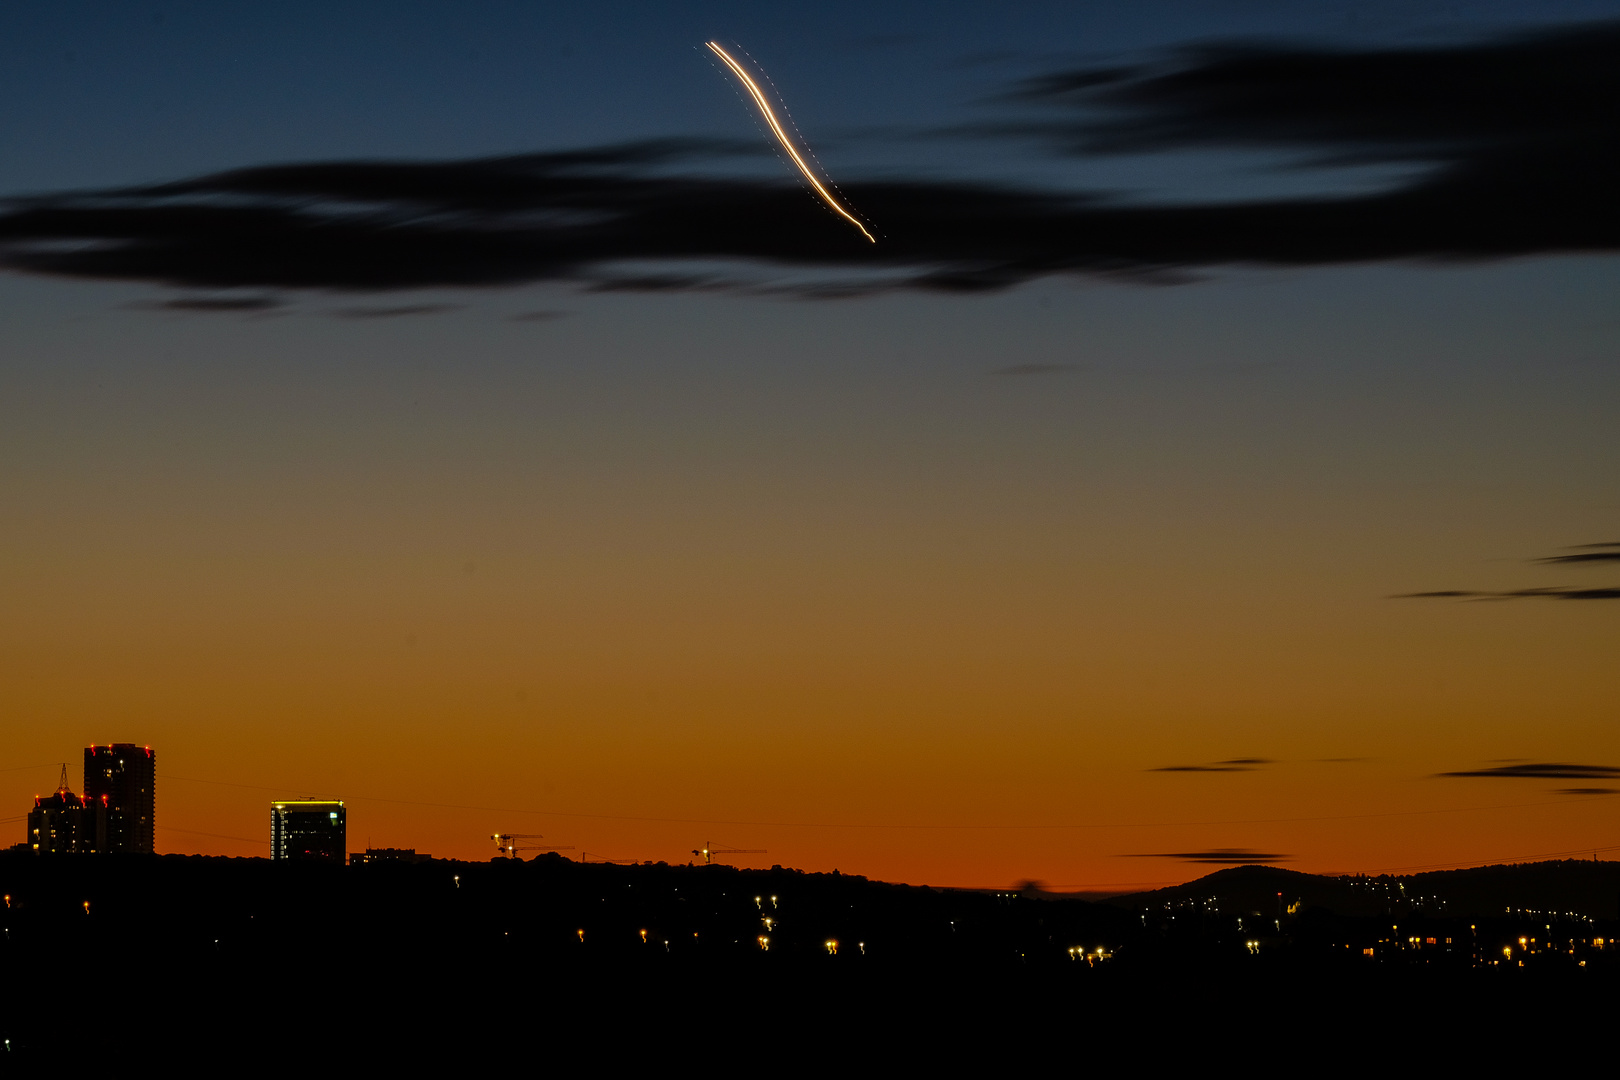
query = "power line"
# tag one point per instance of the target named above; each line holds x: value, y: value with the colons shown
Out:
x: 215, y: 835
x: 1492, y: 862
x: 904, y: 825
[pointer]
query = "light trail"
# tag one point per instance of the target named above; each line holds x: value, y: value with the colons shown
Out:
x: 782, y: 137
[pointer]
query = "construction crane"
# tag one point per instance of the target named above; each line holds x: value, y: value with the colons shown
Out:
x: 507, y: 844
x: 709, y: 851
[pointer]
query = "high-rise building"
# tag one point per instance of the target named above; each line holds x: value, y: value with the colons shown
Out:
x: 65, y: 823
x: 124, y: 777
x: 308, y: 829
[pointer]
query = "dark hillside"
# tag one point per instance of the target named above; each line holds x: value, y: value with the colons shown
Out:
x: 1263, y: 891
x: 235, y: 964
x: 1570, y: 887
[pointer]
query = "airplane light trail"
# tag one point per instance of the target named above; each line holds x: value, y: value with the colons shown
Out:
x: 782, y: 137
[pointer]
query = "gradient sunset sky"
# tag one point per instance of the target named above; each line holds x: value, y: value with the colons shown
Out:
x: 462, y: 410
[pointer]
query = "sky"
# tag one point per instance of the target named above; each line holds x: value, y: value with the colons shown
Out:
x: 466, y: 411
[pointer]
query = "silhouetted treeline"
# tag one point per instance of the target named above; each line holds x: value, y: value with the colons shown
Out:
x: 204, y: 958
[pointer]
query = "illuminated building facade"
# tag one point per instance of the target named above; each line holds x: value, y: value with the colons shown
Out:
x: 124, y: 777
x: 66, y: 824
x: 388, y: 855
x: 308, y: 829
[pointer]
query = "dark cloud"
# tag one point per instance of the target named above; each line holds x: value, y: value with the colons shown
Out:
x: 1201, y: 768
x: 1557, y: 592
x: 1589, y: 791
x: 1545, y: 770
x: 666, y: 283
x: 1490, y: 106
x: 1587, y: 553
x: 1584, y: 553
x: 1521, y: 137
x: 218, y: 304
x: 394, y: 312
x: 1222, y: 856
x: 1243, y: 764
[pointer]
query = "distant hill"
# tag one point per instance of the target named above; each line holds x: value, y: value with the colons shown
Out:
x: 1570, y: 886
x: 218, y: 961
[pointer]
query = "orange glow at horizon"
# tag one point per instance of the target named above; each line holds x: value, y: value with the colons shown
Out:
x: 632, y: 580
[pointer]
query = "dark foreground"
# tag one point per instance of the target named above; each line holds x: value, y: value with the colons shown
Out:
x: 237, y: 964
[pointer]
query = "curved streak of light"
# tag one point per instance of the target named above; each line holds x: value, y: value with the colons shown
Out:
x: 782, y: 137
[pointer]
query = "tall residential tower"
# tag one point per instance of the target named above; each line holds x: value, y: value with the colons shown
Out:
x: 123, y: 776
x: 64, y: 823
